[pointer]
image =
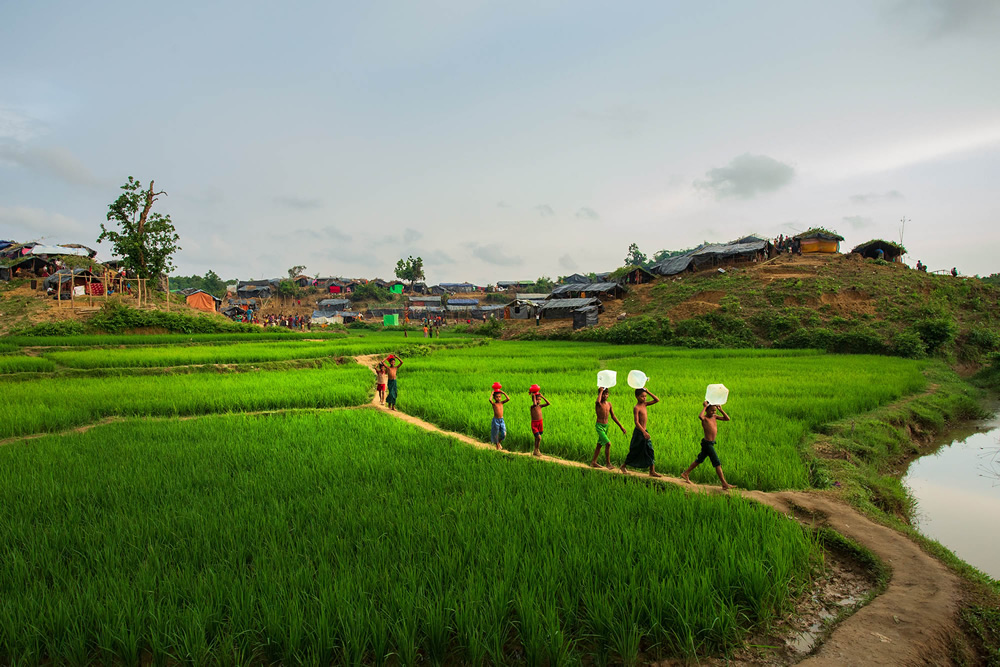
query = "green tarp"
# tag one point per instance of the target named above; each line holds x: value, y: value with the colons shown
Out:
x: 390, y: 320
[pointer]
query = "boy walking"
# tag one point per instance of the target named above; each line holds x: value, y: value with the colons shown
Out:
x: 708, y: 423
x: 640, y: 451
x: 604, y: 411
x: 536, y: 415
x: 380, y: 380
x: 394, y: 364
x: 498, y: 429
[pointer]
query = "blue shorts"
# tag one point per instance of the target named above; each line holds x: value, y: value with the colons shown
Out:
x: 708, y: 452
x: 498, y: 430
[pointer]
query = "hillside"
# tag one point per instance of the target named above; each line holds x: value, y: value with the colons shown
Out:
x: 839, y: 303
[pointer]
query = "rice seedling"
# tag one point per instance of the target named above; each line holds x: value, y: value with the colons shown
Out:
x: 239, y: 538
x: 15, y: 364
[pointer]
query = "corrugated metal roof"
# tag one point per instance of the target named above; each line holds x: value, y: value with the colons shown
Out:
x: 568, y: 303
x: 424, y: 298
x: 586, y: 287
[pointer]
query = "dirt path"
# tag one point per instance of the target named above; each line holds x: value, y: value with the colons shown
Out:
x: 911, y: 623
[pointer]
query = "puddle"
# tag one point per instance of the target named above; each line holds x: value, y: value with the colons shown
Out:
x: 957, y: 489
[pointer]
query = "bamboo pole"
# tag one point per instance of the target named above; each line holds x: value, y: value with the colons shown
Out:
x: 72, y: 291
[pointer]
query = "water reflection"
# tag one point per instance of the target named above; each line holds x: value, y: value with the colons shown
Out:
x: 958, y: 495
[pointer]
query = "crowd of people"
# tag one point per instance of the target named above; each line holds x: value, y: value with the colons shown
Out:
x: 789, y: 244
x: 640, y: 453
x: 300, y: 322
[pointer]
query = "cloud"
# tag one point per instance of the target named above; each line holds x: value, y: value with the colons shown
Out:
x: 746, y: 177
x: 492, y: 253
x: 876, y: 197
x: 544, y: 210
x: 566, y: 262
x: 858, y: 221
x: 15, y: 125
x: 26, y: 224
x: 941, y: 18
x: 411, y: 235
x: 299, y: 203
x: 587, y: 213
x: 502, y: 204
x: 436, y: 258
x: 53, y: 161
x: 323, y: 233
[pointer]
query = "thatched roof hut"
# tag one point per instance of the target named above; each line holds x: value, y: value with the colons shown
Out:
x: 880, y: 249
x: 818, y: 239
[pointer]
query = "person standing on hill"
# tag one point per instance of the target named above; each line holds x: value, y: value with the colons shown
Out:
x: 640, y: 451
x: 604, y: 411
x: 394, y: 364
x: 536, y: 416
x: 498, y: 429
x: 708, y: 423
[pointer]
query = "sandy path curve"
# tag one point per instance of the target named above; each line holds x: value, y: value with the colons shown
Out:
x: 911, y: 623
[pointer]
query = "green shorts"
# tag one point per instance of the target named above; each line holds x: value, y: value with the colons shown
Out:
x: 602, y: 434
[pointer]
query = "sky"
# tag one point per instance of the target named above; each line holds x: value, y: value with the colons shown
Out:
x: 503, y: 140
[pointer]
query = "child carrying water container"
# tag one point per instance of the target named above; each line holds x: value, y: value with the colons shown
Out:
x: 640, y: 451
x: 604, y: 411
x: 498, y: 429
x: 536, y: 415
x: 708, y: 423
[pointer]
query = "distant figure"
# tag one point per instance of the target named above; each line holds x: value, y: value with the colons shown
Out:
x: 394, y: 363
x: 879, y: 253
x: 711, y: 428
x: 640, y: 451
x: 538, y: 319
x: 498, y: 429
x: 380, y: 379
x: 604, y: 411
x: 954, y: 272
x: 536, y: 416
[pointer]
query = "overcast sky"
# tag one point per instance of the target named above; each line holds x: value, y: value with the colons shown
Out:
x: 503, y: 140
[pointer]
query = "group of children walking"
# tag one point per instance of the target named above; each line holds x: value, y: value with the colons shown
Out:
x: 640, y: 453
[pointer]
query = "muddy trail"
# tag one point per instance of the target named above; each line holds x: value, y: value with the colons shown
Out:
x: 910, y: 623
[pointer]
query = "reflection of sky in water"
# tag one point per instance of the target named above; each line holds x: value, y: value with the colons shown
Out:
x: 959, y: 500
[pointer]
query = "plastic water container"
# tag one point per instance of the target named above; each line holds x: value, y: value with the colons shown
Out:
x: 607, y: 379
x: 716, y: 394
x: 637, y: 379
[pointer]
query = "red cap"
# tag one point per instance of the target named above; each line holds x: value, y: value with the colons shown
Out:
x: 534, y: 389
x: 497, y: 386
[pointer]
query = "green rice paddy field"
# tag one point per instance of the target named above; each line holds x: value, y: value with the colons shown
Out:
x: 318, y: 534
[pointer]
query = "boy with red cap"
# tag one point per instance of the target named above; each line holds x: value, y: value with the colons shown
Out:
x: 536, y: 415
x: 498, y: 429
x: 394, y: 363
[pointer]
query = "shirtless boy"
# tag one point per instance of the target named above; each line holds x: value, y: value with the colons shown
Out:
x: 604, y: 410
x: 708, y: 423
x: 380, y: 382
x: 394, y: 363
x: 536, y: 416
x: 498, y: 429
x: 640, y: 451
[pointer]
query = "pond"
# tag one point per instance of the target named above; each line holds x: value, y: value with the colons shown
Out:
x: 957, y: 489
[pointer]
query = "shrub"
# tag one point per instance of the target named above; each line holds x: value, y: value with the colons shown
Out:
x: 909, y: 344
x: 118, y: 318
x: 936, y: 332
x: 65, y: 328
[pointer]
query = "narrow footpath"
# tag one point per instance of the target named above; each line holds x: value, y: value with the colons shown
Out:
x: 911, y: 623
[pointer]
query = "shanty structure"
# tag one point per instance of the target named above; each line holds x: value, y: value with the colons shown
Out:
x: 70, y: 278
x: 818, y: 239
x: 234, y: 313
x: 257, y: 289
x: 302, y: 280
x: 636, y: 276
x: 521, y: 309
x: 609, y: 290
x: 200, y: 299
x: 424, y: 300
x: 563, y: 308
x: 585, y: 317
x: 333, y: 304
x: 575, y: 278
x: 456, y: 288
x: 714, y: 255
x: 514, y: 284
x: 879, y: 249
x: 25, y: 267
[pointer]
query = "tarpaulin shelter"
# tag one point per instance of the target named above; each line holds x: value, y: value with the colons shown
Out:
x: 521, y: 309
x: 424, y: 300
x: 585, y: 317
x: 891, y: 252
x: 58, y: 250
x: 200, y: 299
x: 333, y: 304
x: 576, y: 278
x: 609, y: 290
x: 818, y: 239
x: 69, y: 277
x: 563, y: 308
x: 712, y: 255
x: 459, y: 287
x: 26, y: 266
x: 390, y: 320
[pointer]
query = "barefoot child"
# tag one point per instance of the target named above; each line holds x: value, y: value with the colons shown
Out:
x: 708, y: 422
x: 640, y: 451
x: 394, y: 363
x: 380, y: 382
x: 498, y: 429
x: 536, y: 415
x: 604, y: 410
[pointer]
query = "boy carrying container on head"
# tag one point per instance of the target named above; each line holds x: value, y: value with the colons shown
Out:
x: 536, y: 415
x: 394, y: 363
x: 640, y: 451
x: 380, y: 381
x: 498, y: 429
x: 604, y: 410
x: 708, y: 423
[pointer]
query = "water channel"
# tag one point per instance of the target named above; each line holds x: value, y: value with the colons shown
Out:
x: 958, y: 494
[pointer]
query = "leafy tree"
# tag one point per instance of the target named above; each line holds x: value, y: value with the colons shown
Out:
x: 410, y: 269
x: 211, y: 283
x: 287, y: 290
x: 661, y: 255
x: 544, y: 284
x: 146, y: 241
x: 372, y: 293
x: 295, y: 271
x: 635, y: 257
